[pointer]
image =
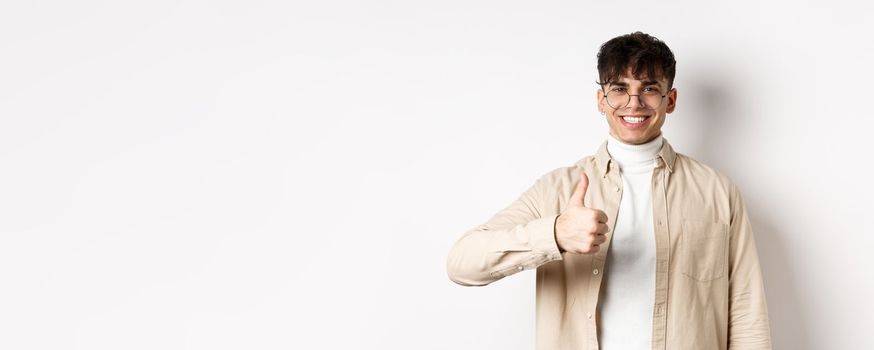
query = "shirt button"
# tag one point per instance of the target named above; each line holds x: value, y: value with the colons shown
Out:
x: 616, y: 188
x: 595, y: 271
x: 589, y: 315
x: 519, y: 268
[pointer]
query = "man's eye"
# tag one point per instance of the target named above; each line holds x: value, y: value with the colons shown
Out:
x: 618, y: 89
x: 651, y: 90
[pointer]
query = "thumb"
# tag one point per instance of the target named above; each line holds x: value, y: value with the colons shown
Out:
x: 580, y: 191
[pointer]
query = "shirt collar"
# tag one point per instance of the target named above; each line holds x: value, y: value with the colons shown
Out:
x: 666, y: 156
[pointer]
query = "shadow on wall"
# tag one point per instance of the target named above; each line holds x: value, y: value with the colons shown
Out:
x: 726, y: 122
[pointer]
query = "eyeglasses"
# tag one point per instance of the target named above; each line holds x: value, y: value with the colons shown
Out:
x: 618, y: 97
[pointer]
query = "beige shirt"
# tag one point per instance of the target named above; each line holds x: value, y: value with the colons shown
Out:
x: 708, y: 289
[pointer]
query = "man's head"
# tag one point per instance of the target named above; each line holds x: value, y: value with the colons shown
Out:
x: 636, y: 73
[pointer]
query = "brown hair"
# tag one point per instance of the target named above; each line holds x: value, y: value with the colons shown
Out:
x: 644, y: 54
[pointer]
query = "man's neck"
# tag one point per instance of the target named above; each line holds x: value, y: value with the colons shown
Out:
x: 624, y: 153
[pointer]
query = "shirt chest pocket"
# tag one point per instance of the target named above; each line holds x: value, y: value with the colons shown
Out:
x: 704, y: 249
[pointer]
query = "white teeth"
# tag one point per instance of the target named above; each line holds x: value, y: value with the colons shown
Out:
x: 634, y: 120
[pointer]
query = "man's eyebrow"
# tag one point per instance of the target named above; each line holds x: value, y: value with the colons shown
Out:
x: 645, y: 83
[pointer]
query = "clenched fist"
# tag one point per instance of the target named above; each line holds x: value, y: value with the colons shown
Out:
x: 579, y: 229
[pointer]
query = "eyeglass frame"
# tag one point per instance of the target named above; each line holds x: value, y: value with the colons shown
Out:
x: 661, y: 100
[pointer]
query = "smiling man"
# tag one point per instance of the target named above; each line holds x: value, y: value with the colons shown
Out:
x: 636, y: 246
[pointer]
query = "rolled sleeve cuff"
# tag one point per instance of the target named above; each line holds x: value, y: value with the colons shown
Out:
x: 542, y: 233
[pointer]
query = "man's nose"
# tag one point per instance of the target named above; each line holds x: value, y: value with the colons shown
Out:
x: 636, y: 101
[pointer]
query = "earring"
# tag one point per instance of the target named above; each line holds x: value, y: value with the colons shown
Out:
x: 603, y: 113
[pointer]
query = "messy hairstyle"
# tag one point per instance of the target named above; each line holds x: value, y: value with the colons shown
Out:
x: 644, y: 54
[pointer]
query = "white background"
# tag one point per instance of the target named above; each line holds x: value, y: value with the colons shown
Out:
x: 291, y: 175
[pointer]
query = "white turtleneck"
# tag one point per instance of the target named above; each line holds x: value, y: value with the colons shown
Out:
x: 628, y: 293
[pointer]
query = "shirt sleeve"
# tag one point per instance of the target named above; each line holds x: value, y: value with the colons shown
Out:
x: 748, y: 324
x: 517, y: 238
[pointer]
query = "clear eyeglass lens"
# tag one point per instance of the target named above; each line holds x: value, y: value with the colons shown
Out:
x: 619, y: 99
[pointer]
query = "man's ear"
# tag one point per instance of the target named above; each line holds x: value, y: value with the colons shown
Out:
x: 599, y: 100
x: 672, y: 100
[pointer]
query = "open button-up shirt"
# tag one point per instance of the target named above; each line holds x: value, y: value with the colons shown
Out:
x: 708, y: 287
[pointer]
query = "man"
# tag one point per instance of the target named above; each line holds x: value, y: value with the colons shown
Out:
x: 637, y: 246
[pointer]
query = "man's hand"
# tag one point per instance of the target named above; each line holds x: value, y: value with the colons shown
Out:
x: 579, y: 229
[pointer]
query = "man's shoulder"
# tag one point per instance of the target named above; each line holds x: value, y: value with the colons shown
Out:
x: 567, y: 175
x: 572, y: 171
x: 700, y: 172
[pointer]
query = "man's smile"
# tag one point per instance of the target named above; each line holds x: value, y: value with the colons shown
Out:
x: 634, y: 121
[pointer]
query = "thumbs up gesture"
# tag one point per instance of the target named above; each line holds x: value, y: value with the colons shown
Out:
x: 579, y: 229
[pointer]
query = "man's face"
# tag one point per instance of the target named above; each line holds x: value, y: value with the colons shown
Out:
x: 625, y: 121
